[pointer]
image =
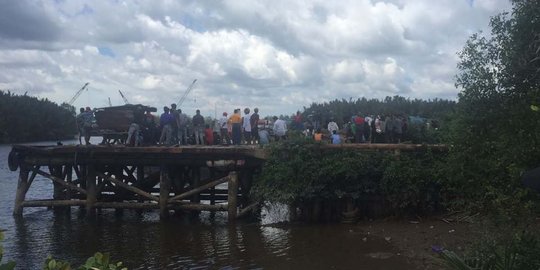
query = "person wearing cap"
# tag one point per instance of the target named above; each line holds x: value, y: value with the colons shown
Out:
x: 223, y: 129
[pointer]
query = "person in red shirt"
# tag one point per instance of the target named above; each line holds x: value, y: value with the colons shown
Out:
x: 208, y: 135
x: 359, y: 131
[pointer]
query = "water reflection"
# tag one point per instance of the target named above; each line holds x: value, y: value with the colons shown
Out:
x: 142, y: 241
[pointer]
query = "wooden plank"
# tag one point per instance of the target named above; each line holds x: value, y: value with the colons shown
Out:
x: 199, y: 189
x: 201, y: 207
x: 60, y: 181
x: 248, y: 209
x: 127, y: 205
x: 129, y: 187
x: 47, y: 203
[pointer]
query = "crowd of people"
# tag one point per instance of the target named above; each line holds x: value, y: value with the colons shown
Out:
x: 361, y: 129
x: 174, y: 127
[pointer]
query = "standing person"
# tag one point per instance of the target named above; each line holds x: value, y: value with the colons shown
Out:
x: 165, y: 122
x: 198, y: 127
x: 80, y: 121
x: 223, y: 130
x: 298, y: 121
x: 367, y: 129
x: 264, y: 136
x: 182, y: 123
x: 332, y: 126
x: 149, y: 129
x: 318, y: 136
x: 377, y: 133
x: 389, y: 131
x: 235, y: 122
x: 398, y: 129
x: 280, y: 129
x: 336, y: 139
x: 254, y: 121
x: 174, y: 125
x: 359, y: 128
x: 209, y: 135
x: 246, y: 126
x: 88, y: 121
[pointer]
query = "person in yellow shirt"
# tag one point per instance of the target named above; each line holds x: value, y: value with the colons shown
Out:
x: 236, y: 122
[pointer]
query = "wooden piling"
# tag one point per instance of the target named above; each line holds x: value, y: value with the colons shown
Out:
x: 232, y: 196
x: 22, y: 188
x: 91, y: 190
x: 164, y: 189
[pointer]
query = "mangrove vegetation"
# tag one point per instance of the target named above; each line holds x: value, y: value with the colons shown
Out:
x: 25, y: 118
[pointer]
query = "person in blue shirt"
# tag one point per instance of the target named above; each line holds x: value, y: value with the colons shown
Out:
x: 165, y: 122
x: 336, y: 139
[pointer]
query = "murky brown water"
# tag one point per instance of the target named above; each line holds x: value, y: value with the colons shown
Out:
x: 142, y: 241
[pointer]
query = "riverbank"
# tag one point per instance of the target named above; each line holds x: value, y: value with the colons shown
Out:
x: 414, y: 238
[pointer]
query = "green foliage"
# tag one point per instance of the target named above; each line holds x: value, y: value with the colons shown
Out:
x: 342, y: 110
x: 520, y: 252
x: 4, y: 266
x: 494, y: 132
x: 52, y: 264
x: 411, y: 182
x: 300, y: 170
x: 32, y: 119
x: 100, y: 261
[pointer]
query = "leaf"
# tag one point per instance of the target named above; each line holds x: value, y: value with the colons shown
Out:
x: 8, y: 266
x: 535, y: 108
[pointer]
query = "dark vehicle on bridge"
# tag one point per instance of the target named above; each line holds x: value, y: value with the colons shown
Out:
x: 113, y: 122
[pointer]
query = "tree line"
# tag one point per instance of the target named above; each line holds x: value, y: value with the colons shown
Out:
x: 26, y: 118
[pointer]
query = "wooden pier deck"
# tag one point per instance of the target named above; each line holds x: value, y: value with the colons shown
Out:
x: 157, y: 177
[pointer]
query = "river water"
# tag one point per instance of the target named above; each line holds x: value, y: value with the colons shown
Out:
x: 142, y: 241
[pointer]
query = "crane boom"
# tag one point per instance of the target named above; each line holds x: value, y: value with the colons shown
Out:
x: 123, y: 97
x: 184, y: 96
x: 70, y: 102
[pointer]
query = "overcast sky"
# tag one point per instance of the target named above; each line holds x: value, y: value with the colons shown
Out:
x: 277, y: 55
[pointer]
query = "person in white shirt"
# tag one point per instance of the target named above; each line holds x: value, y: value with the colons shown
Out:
x: 332, y: 126
x: 223, y: 129
x: 280, y: 129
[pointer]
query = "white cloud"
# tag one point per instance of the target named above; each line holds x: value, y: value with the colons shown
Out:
x: 278, y: 56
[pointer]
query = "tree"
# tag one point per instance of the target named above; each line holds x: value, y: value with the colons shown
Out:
x: 495, y: 134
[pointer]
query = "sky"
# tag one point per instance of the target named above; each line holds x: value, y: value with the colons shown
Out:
x: 278, y: 55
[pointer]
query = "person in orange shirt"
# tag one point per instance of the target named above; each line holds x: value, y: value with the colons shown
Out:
x: 318, y: 135
x: 236, y: 122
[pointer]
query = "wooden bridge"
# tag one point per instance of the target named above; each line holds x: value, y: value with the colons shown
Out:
x: 187, y: 178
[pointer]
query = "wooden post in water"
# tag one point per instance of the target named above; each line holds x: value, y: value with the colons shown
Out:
x: 22, y: 188
x: 195, y: 180
x: 232, y: 196
x: 69, y: 180
x: 91, y: 190
x: 164, y: 188
x: 57, y: 188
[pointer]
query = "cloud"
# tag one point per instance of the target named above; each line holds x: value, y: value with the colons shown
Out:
x: 278, y: 56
